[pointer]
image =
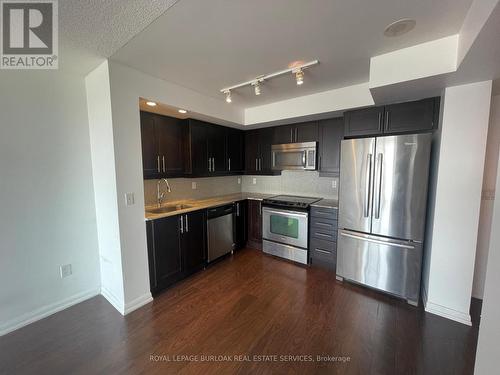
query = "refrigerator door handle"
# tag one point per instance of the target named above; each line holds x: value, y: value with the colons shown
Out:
x: 373, y: 240
x: 378, y: 182
x: 368, y: 184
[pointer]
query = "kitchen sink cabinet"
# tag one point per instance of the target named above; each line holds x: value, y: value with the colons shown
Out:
x: 331, y: 133
x: 400, y: 118
x: 162, y: 140
x: 254, y: 214
x: 164, y: 252
x: 176, y: 248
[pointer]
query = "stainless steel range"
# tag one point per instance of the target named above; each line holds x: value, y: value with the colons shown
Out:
x: 285, y: 224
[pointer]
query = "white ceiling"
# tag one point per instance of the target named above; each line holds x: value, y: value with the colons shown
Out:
x: 206, y: 45
x: 91, y: 30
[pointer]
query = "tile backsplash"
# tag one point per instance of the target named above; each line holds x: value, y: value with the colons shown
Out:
x: 307, y: 183
x: 182, y: 188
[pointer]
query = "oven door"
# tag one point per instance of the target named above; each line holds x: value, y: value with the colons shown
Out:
x: 287, y: 227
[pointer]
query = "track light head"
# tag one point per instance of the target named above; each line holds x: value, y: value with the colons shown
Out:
x: 228, y: 96
x: 256, y: 87
x: 299, y: 76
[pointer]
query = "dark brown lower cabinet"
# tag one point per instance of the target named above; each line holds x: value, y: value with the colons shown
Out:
x: 254, y: 224
x: 176, y: 248
x: 164, y: 252
x: 193, y: 242
x: 240, y: 224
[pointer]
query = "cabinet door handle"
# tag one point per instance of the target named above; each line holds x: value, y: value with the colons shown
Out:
x: 229, y: 166
x: 380, y: 120
x: 158, y: 163
x: 182, y: 225
x: 237, y: 209
x: 213, y: 164
x: 209, y: 165
x: 256, y: 164
x: 260, y: 164
x: 164, y: 169
x: 291, y: 135
x: 187, y: 225
x: 296, y: 134
x: 319, y: 167
x: 386, y: 120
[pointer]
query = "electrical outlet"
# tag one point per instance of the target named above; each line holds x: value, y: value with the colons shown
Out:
x: 194, y: 186
x: 239, y: 180
x: 129, y: 199
x: 334, y: 184
x: 65, y: 270
x: 254, y: 181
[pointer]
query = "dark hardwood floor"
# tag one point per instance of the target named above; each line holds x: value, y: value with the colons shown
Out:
x: 247, y: 305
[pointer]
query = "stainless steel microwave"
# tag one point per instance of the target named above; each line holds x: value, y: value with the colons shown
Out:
x: 294, y: 156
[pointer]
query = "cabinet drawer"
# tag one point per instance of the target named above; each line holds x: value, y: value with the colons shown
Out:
x: 324, y: 225
x: 324, y: 258
x: 324, y: 212
x: 324, y: 230
x: 317, y: 246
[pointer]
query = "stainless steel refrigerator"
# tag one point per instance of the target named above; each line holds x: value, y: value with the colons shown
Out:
x: 382, y: 208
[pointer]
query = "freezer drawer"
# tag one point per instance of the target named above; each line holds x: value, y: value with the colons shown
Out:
x: 392, y: 266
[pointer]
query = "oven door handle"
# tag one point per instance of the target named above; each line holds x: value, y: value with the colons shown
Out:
x: 286, y: 213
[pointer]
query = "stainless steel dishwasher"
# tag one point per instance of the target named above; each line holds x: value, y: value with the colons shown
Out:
x: 220, y: 231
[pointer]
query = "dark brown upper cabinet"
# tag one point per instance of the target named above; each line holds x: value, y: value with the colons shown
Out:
x: 411, y: 117
x: 296, y: 133
x: 331, y: 133
x: 258, y: 145
x: 216, y: 149
x: 235, y: 150
x: 363, y: 122
x: 162, y: 146
x: 400, y: 118
x: 213, y: 150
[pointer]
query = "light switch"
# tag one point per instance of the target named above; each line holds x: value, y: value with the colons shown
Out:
x: 65, y: 270
x: 334, y: 184
x: 129, y: 199
x: 194, y: 186
x: 254, y: 181
x: 239, y: 180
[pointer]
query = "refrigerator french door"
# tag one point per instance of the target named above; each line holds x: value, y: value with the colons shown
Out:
x: 382, y: 208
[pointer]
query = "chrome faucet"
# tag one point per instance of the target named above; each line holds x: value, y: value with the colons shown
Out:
x: 159, y: 195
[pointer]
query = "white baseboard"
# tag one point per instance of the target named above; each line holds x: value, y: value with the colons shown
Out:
x: 446, y: 312
x: 116, y: 302
x: 45, y: 311
x: 138, y: 302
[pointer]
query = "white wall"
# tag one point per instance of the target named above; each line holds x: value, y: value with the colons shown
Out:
x: 488, y: 345
x: 457, y: 200
x: 487, y: 199
x: 127, y: 86
x: 104, y: 178
x: 47, y: 215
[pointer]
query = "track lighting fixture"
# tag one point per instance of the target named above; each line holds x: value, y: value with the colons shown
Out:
x: 299, y: 76
x: 256, y: 87
x: 296, y: 69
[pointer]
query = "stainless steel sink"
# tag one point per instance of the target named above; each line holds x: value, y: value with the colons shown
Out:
x: 171, y: 208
